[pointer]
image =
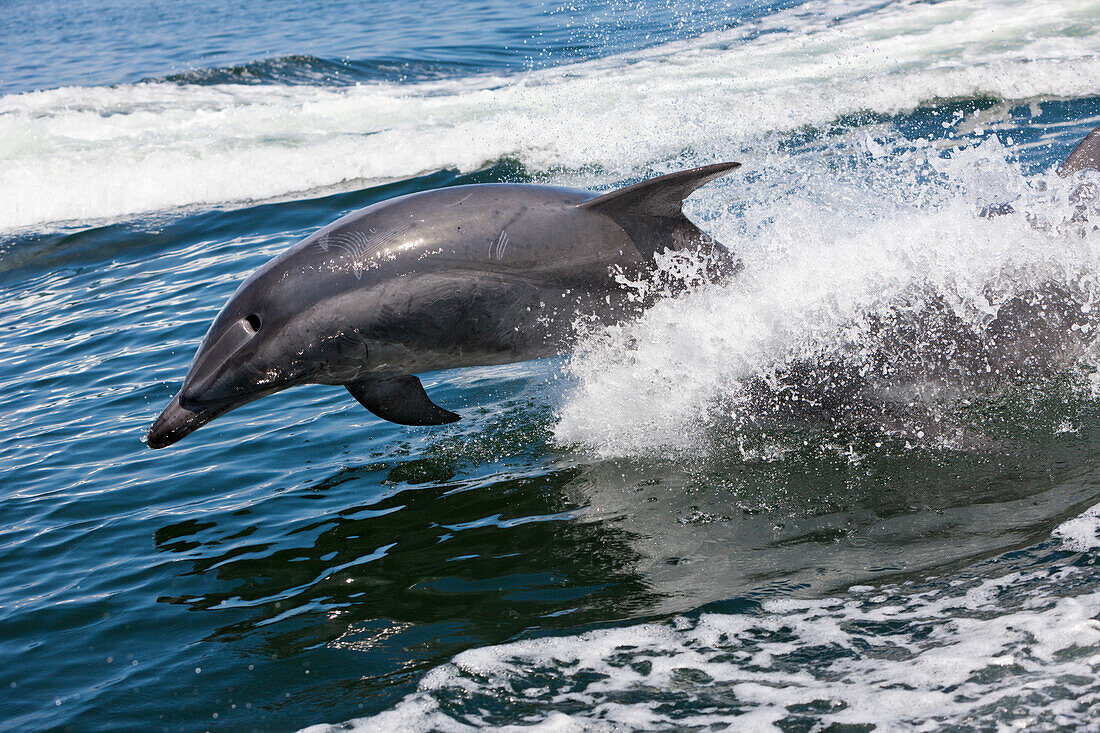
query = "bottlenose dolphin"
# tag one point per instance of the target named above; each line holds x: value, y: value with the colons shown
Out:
x: 461, y: 276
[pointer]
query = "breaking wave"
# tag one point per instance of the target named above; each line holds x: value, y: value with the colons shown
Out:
x: 874, y: 291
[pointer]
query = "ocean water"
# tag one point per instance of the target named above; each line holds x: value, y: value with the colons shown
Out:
x: 854, y: 488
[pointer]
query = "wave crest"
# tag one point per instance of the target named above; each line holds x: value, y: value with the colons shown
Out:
x: 873, y: 293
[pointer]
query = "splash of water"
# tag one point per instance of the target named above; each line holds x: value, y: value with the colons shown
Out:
x: 871, y: 284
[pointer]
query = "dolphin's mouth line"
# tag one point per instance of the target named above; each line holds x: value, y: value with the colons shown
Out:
x: 177, y: 422
x: 182, y: 416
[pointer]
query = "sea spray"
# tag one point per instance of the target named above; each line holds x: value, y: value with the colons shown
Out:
x: 871, y: 280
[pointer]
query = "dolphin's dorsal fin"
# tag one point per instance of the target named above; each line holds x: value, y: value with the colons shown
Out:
x: 651, y: 212
x: 401, y: 400
x: 1085, y: 156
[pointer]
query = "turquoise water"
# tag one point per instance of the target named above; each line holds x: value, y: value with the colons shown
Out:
x: 856, y: 487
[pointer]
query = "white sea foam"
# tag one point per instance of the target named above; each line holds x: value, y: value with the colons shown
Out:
x: 1082, y: 533
x: 1021, y: 651
x: 834, y: 247
x: 87, y: 153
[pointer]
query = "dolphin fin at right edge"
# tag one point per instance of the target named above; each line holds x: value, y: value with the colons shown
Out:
x: 651, y: 212
x: 400, y: 400
x: 1086, y: 156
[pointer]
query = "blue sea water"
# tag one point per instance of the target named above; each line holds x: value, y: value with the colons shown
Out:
x: 855, y: 489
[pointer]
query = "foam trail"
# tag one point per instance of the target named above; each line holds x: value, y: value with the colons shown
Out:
x: 1004, y: 653
x: 1081, y: 534
x: 91, y: 153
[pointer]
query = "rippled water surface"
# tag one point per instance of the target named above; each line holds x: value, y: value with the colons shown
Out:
x: 854, y: 486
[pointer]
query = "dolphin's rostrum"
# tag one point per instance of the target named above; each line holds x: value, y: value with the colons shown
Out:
x: 460, y: 276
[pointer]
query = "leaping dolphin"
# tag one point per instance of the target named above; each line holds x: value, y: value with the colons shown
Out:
x: 468, y: 275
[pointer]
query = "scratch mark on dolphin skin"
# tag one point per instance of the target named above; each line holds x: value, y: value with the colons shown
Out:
x: 460, y: 201
x: 359, y: 246
x: 496, y: 249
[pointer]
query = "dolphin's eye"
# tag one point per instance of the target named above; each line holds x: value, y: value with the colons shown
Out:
x: 253, y: 322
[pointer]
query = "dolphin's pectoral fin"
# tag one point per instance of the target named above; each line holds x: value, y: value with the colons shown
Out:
x: 401, y: 400
x: 651, y: 212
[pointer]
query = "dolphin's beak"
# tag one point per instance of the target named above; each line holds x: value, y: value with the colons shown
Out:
x: 177, y: 422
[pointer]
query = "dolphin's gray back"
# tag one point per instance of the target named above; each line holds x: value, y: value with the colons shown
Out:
x: 465, y: 275
x: 520, y: 230
x: 540, y: 233
x: 490, y: 273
